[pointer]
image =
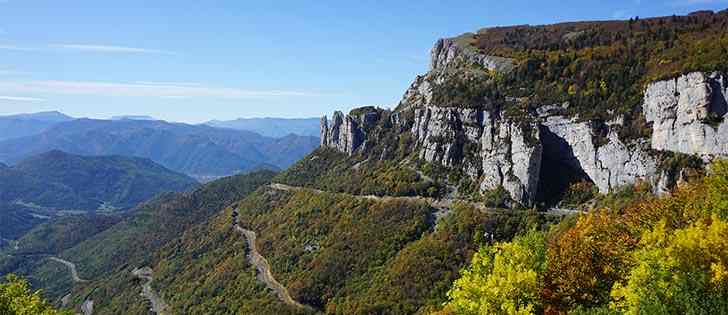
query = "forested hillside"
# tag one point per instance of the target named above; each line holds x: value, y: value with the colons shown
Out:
x: 57, y: 180
x: 574, y: 168
x: 112, y: 253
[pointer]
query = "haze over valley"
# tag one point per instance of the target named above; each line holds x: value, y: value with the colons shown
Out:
x: 364, y: 158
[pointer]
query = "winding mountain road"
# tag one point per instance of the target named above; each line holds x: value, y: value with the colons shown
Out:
x: 88, y: 306
x: 71, y: 267
x: 442, y: 206
x: 158, y: 304
x: 264, y: 271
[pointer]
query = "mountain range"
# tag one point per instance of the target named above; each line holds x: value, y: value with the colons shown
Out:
x: 574, y: 168
x: 17, y: 126
x: 197, y: 150
x: 272, y: 127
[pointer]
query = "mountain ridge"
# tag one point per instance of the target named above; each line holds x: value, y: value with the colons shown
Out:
x: 271, y: 127
x: 192, y: 149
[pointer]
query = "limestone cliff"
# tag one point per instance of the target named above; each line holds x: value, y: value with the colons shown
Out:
x: 609, y: 165
x: 344, y: 133
x: 447, y: 51
x: 688, y: 114
x: 500, y: 150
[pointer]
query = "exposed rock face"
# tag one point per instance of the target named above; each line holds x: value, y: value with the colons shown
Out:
x: 347, y: 133
x: 446, y: 51
x: 442, y: 133
x: 610, y: 165
x: 688, y: 114
x: 511, y: 159
x: 344, y: 134
x: 506, y: 154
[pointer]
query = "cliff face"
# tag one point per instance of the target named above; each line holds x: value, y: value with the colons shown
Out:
x: 501, y: 150
x: 482, y: 145
x: 609, y: 165
x: 446, y: 51
x: 688, y: 114
x: 343, y: 135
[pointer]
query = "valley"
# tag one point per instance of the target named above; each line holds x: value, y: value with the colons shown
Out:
x: 570, y: 168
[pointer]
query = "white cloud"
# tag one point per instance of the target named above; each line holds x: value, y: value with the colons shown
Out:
x: 168, y: 83
x: 17, y: 48
x: 20, y: 99
x: 139, y: 90
x: 107, y: 49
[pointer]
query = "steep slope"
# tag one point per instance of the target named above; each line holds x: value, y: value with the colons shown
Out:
x: 339, y: 253
x: 62, y: 181
x: 272, y: 127
x: 199, y: 151
x: 471, y: 131
x: 381, y: 218
x: 533, y: 110
x: 108, y: 258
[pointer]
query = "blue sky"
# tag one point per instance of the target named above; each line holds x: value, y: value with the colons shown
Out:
x: 194, y: 61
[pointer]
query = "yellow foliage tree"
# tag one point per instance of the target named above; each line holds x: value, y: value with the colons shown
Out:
x: 504, y: 278
x: 680, y: 271
x: 16, y: 298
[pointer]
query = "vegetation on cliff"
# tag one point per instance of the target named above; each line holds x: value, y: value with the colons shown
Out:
x: 599, y: 68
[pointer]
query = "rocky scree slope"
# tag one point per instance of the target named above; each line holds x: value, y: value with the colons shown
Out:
x: 576, y: 118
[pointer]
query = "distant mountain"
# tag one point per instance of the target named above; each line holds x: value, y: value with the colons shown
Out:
x: 22, y: 125
x: 52, y: 116
x: 133, y: 117
x: 60, y: 181
x: 273, y: 127
x: 197, y: 150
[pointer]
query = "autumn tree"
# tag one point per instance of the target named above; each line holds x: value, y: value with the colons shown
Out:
x: 504, y: 278
x: 16, y: 298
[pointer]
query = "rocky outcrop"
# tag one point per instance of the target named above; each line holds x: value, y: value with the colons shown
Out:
x: 344, y: 134
x: 448, y: 56
x: 443, y: 132
x: 348, y: 133
x: 503, y: 152
x: 447, y: 51
x: 688, y: 114
x: 610, y: 165
x: 511, y: 156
